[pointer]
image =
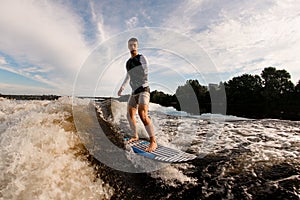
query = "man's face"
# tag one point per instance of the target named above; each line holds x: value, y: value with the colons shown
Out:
x: 132, y: 46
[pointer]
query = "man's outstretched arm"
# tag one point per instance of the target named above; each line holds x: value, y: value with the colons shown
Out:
x: 125, y: 82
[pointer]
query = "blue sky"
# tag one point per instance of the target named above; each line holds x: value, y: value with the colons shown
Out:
x: 45, y: 45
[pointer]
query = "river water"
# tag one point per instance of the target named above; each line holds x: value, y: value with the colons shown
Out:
x: 43, y: 155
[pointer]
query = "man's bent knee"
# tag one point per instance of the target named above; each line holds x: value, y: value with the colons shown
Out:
x: 131, y: 111
x: 144, y: 116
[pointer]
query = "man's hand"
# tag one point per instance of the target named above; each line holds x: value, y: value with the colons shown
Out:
x: 120, y: 91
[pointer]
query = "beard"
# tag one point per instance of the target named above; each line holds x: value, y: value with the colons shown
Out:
x: 133, y: 52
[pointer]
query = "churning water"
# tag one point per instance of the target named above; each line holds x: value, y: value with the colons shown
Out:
x: 42, y: 156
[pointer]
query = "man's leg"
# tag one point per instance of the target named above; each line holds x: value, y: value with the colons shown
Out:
x: 143, y: 113
x: 131, y: 111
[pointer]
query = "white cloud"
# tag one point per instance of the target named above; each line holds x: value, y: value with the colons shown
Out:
x: 43, y: 34
x: 97, y: 17
x: 27, y: 73
x: 132, y: 22
x: 2, y: 61
x: 180, y: 19
x: 250, y: 36
x: 48, y: 40
x: 26, y: 90
x: 243, y: 37
x: 36, y: 69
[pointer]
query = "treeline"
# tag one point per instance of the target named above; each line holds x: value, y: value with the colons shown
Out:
x: 270, y: 95
x: 29, y: 97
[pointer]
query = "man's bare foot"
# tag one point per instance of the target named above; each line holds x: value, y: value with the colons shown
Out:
x: 133, y: 139
x: 152, y: 145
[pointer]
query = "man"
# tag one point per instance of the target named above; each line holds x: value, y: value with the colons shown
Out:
x: 137, y: 74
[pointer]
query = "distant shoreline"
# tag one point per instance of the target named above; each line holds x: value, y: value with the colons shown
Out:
x: 29, y: 97
x: 55, y: 97
x: 124, y: 98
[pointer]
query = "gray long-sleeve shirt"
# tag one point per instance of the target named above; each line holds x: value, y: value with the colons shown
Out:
x: 137, y: 72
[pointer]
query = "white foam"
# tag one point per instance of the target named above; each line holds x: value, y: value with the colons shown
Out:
x: 265, y: 140
x: 119, y: 112
x: 40, y: 154
x: 205, y: 116
x: 166, y: 110
x: 173, y: 174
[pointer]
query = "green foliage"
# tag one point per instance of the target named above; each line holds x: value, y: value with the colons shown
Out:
x: 193, y: 97
x: 244, y: 95
x: 271, y: 95
x: 277, y: 83
x: 162, y: 98
x: 297, y: 88
x: 243, y: 88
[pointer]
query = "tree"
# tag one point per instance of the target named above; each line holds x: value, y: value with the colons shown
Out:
x: 297, y: 88
x: 278, y: 92
x: 296, y: 96
x: 277, y: 83
x: 192, y: 96
x: 243, y: 88
x: 244, y: 95
x: 162, y: 98
x: 270, y: 95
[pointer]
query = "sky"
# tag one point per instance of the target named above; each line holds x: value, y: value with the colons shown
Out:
x: 66, y: 47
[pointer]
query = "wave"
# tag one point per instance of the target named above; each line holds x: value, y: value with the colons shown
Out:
x: 205, y: 116
x: 237, y: 157
x: 41, y: 155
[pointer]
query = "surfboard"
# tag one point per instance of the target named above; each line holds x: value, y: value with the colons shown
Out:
x: 162, y: 153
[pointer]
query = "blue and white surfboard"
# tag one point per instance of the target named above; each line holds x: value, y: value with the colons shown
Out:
x: 162, y: 153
